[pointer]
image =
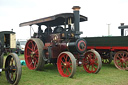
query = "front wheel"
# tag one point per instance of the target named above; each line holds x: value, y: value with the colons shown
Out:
x: 92, y: 61
x: 14, y: 70
x: 66, y: 64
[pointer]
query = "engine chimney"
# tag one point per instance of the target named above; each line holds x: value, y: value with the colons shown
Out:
x: 122, y: 30
x: 76, y: 18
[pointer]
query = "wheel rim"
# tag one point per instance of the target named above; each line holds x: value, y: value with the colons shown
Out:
x: 66, y: 64
x: 92, y: 62
x: 121, y: 60
x: 13, y: 66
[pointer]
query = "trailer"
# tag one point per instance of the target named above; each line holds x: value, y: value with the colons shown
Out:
x: 111, y: 48
x: 60, y: 44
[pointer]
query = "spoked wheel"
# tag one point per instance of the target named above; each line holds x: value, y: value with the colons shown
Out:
x: 92, y: 61
x: 34, y: 54
x: 66, y: 64
x: 13, y: 66
x: 106, y: 58
x: 121, y: 60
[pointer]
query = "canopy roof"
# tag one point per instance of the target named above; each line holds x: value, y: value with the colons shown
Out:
x: 55, y: 20
x: 123, y: 27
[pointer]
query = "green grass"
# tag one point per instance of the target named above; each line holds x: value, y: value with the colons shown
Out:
x: 108, y: 75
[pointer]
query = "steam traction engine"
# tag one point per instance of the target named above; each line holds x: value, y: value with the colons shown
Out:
x: 60, y: 44
x: 12, y: 68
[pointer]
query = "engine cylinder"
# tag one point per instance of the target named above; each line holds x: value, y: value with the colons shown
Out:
x: 78, y: 45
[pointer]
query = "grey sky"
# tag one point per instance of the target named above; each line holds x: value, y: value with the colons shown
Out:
x: 99, y: 13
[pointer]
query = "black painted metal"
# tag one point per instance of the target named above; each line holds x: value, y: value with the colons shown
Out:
x: 107, y: 41
x: 76, y: 20
x: 55, y: 20
x: 123, y: 27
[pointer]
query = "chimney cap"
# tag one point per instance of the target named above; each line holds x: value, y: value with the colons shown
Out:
x: 76, y: 8
x: 121, y: 24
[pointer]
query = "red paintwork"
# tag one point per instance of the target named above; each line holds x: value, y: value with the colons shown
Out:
x: 64, y: 65
x: 30, y: 48
x: 107, y: 48
x: 79, y: 45
x: 121, y: 60
x: 90, y: 63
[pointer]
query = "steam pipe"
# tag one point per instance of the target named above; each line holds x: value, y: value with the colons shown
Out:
x: 122, y: 30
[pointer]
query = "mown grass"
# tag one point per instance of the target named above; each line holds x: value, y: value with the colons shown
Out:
x: 108, y: 75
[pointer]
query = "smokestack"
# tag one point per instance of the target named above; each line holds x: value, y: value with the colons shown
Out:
x: 122, y: 30
x: 76, y: 17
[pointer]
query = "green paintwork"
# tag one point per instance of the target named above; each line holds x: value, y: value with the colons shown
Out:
x: 107, y: 41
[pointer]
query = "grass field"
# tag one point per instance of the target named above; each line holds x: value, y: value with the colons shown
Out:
x: 108, y: 75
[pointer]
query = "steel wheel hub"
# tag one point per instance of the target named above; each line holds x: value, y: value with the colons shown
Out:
x: 67, y: 65
x: 32, y: 54
x: 122, y: 60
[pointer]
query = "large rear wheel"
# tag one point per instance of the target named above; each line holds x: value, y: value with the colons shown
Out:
x: 14, y: 70
x: 121, y: 60
x: 66, y: 64
x: 34, y: 54
x: 92, y: 61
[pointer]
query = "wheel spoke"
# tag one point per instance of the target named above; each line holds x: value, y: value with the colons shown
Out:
x: 63, y: 68
x: 35, y: 47
x: 31, y: 63
x: 36, y: 51
x: 69, y: 61
x: 11, y: 62
x: 95, y: 68
x: 96, y: 64
x: 12, y: 78
x: 62, y: 61
x: 68, y: 71
x: 30, y: 49
x: 92, y: 67
x: 118, y: 57
x: 70, y: 67
x: 36, y: 60
x: 35, y: 64
x: 66, y: 58
x: 88, y: 67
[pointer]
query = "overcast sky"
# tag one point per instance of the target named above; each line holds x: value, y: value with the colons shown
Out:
x: 99, y: 13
